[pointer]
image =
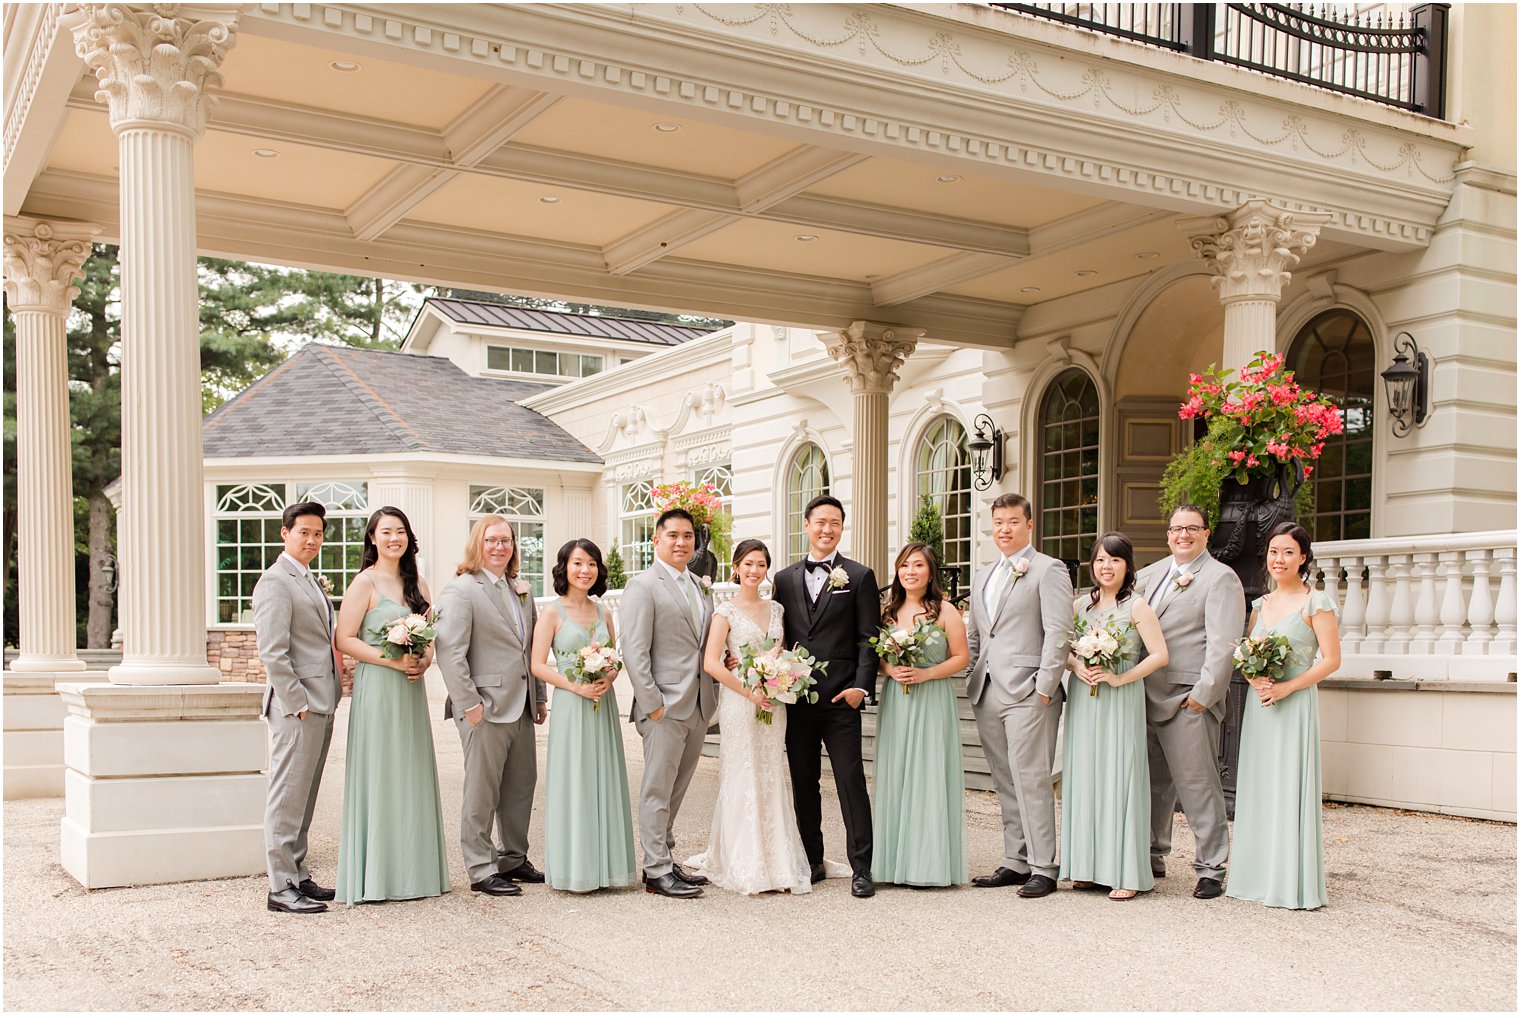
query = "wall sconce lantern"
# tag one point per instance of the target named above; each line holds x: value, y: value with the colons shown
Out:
x: 986, y: 447
x: 1408, y: 383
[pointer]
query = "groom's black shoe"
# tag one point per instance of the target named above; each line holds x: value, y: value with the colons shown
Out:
x: 1208, y: 888
x: 670, y: 886
x: 1037, y: 887
x: 312, y: 890
x: 526, y: 873
x: 818, y: 873
x: 862, y: 887
x: 683, y: 874
x: 292, y: 901
x: 1003, y: 877
x: 496, y: 885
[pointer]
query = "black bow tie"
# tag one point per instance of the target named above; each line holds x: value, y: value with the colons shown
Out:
x: 814, y: 565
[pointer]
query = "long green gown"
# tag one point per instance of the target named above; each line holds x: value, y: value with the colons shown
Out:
x: 588, y: 825
x: 919, y: 801
x: 392, y: 844
x: 1278, y: 855
x: 1105, y: 777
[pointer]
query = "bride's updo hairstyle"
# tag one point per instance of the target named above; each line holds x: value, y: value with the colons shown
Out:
x: 749, y: 546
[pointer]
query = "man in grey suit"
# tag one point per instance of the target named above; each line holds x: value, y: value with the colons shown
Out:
x: 293, y: 624
x: 1021, y: 619
x: 664, y: 619
x: 1202, y: 611
x: 485, y: 629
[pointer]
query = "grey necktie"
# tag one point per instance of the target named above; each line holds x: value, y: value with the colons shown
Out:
x: 509, y: 600
x: 1159, y: 592
x: 691, y: 599
x: 1000, y: 582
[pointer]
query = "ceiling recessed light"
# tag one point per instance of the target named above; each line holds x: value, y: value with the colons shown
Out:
x: 667, y: 128
x: 266, y: 153
x: 1030, y: 289
x: 1147, y: 255
x: 346, y: 66
x: 947, y: 178
x: 806, y: 238
x: 548, y: 199
x: 1086, y: 273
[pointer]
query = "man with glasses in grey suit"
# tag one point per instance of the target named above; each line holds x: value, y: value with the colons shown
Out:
x: 1202, y: 611
x: 293, y: 624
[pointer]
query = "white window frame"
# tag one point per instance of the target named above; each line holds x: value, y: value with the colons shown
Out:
x: 523, y: 506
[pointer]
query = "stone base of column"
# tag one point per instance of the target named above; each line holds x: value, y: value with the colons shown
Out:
x: 131, y: 673
x: 34, y: 733
x: 163, y: 783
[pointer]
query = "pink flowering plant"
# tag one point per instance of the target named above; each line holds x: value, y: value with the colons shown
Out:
x: 702, y: 502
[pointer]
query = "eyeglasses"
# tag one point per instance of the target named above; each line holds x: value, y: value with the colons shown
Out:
x: 1177, y: 530
x: 499, y: 542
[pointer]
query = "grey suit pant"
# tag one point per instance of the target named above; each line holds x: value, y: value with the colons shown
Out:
x: 1019, y: 740
x: 500, y: 771
x: 1184, y: 764
x: 297, y: 752
x: 671, y: 750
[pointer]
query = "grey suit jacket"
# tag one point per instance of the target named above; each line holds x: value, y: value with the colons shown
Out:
x: 1023, y: 644
x: 1201, y: 624
x: 480, y: 654
x: 293, y: 624
x: 662, y: 648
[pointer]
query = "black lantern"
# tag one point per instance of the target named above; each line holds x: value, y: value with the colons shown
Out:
x: 1408, y: 382
x: 986, y: 447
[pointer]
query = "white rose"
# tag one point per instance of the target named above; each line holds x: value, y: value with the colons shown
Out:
x: 399, y: 635
x: 594, y: 663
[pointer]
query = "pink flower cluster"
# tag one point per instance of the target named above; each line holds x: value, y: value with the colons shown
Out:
x: 701, y: 502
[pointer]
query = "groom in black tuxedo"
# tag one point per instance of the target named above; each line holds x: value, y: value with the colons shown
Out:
x: 832, y: 607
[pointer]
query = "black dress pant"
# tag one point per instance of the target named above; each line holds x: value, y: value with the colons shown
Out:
x: 833, y: 726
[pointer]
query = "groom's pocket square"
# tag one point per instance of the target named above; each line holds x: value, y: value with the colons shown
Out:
x: 839, y: 592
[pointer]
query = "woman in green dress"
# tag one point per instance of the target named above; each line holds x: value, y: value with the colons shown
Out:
x: 1105, y: 777
x: 919, y: 802
x: 1278, y: 855
x: 391, y: 846
x: 588, y: 829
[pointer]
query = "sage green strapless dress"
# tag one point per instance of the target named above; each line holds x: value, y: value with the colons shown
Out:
x: 588, y: 824
x: 1105, y: 776
x: 391, y: 846
x: 919, y: 806
x: 1278, y: 855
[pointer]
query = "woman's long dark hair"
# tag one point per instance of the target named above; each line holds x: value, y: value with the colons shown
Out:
x: 934, y: 592
x: 1115, y: 544
x: 411, y: 584
x: 561, y: 570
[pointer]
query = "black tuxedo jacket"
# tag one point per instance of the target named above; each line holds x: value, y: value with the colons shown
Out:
x: 837, y: 627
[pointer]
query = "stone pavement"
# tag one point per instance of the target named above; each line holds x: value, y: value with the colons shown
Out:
x: 1421, y: 916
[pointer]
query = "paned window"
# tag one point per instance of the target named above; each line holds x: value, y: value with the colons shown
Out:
x: 722, y: 479
x: 542, y: 361
x: 806, y: 477
x: 1334, y: 355
x: 1068, y: 462
x: 637, y: 515
x: 347, y: 504
x: 524, y: 508
x: 944, y: 474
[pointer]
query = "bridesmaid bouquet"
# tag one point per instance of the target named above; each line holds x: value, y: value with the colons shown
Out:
x: 784, y: 675
x: 591, y: 663
x: 1265, y: 655
x: 409, y: 635
x: 904, y: 648
x: 1099, y: 646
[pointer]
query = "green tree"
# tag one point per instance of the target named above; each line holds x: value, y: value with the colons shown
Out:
x: 371, y: 313
x: 616, y: 576
x: 929, y: 526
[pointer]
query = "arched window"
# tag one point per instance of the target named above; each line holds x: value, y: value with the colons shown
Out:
x: 721, y: 476
x: 637, y: 514
x: 944, y: 475
x: 523, y: 506
x: 1334, y: 355
x: 807, y: 477
x: 1068, y: 464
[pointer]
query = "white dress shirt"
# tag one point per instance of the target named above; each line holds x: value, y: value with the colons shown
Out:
x: 1166, y: 584
x: 991, y: 593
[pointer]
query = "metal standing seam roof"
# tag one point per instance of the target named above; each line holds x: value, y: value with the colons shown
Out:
x: 556, y: 322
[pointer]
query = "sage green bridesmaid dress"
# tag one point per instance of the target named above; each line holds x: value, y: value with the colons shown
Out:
x: 1105, y: 774
x: 919, y: 808
x: 391, y: 846
x: 588, y: 824
x: 1278, y: 855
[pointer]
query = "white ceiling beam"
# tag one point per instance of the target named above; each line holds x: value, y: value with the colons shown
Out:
x: 388, y: 201
x: 931, y: 278
x: 655, y: 240
x: 37, y: 42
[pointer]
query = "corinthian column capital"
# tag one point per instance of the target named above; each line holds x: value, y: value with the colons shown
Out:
x: 42, y: 259
x: 156, y: 63
x: 870, y: 353
x: 1254, y: 248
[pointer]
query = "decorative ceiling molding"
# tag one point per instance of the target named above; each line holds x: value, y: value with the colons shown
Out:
x: 638, y: 248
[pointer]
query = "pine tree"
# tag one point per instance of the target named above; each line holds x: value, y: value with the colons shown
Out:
x: 929, y: 526
x: 616, y: 576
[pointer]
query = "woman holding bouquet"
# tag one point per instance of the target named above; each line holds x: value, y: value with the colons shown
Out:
x: 919, y: 808
x: 588, y: 831
x: 391, y: 846
x: 1279, y: 850
x: 1105, y: 777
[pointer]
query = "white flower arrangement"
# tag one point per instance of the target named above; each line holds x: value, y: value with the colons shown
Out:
x: 324, y: 583
x: 409, y: 635
x: 838, y: 577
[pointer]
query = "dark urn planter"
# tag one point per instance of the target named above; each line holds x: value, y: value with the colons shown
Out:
x: 702, y: 561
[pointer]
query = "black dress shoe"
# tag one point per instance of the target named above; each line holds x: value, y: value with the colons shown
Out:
x: 1208, y: 888
x: 818, y: 873
x: 670, y: 886
x: 526, y: 873
x: 1037, y: 887
x: 862, y: 887
x: 691, y: 879
x: 312, y: 890
x: 292, y: 901
x: 496, y: 885
x: 1000, y: 878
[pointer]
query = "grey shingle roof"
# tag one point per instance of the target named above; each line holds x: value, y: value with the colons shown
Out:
x: 339, y: 400
x: 504, y: 316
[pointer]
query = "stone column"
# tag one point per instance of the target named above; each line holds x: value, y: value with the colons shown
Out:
x: 154, y: 67
x: 870, y: 354
x: 1252, y: 251
x: 42, y: 259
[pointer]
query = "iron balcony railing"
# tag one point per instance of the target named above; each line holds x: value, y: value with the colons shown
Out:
x: 1395, y: 57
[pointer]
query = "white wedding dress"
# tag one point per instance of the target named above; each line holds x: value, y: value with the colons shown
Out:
x: 754, y: 846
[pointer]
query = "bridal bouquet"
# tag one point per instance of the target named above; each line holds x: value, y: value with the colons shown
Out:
x: 784, y: 675
x: 1264, y: 655
x: 591, y: 663
x: 1099, y: 646
x: 409, y: 635
x: 904, y: 648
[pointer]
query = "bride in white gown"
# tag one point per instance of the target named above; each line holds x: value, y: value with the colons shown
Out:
x: 754, y: 846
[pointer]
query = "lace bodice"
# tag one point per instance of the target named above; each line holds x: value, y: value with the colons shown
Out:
x: 744, y: 631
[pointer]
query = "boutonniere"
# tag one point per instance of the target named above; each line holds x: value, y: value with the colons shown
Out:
x: 325, y: 584
x: 706, y: 585
x: 838, y: 578
x: 522, y: 589
x: 1183, y: 580
x: 1020, y: 569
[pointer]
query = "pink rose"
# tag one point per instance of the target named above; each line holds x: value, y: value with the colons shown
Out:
x: 521, y: 587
